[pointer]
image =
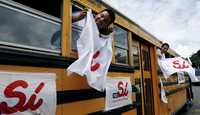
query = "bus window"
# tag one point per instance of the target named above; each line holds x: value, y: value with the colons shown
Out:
x: 76, y: 27
x: 22, y: 27
x: 136, y: 58
x: 135, y: 53
x: 121, y: 46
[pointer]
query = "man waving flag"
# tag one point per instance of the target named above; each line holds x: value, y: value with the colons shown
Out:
x: 94, y: 50
x: 177, y: 64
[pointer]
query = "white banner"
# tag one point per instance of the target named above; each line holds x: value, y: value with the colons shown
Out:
x: 177, y: 64
x: 27, y: 93
x: 95, y: 54
x: 118, y: 92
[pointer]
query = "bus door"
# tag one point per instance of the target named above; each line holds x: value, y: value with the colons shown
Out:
x: 146, y: 80
x: 137, y: 73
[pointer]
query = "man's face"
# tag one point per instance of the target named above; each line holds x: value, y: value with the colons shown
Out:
x: 102, y: 19
x: 164, y: 48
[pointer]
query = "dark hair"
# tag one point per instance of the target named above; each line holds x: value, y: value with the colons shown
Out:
x: 111, y: 14
x: 165, y: 44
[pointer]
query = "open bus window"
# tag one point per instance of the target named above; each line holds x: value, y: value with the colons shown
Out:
x: 121, y: 46
x: 76, y: 27
x: 21, y: 27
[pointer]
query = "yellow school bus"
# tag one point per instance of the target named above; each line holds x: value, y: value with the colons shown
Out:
x: 27, y: 32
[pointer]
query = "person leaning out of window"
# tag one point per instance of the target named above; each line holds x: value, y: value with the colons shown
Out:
x: 161, y: 51
x: 161, y: 55
x: 103, y: 19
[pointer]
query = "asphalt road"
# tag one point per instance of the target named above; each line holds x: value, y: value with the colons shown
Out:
x: 195, y: 109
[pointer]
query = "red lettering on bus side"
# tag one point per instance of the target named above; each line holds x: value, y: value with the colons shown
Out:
x: 10, y: 93
x: 30, y: 104
x: 125, y: 90
x: 20, y: 106
x: 122, y: 90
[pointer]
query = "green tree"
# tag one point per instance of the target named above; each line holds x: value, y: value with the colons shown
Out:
x: 195, y: 58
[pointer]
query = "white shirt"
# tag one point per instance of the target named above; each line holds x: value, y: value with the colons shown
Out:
x: 159, y: 54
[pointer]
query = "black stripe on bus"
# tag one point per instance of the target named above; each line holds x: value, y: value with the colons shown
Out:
x: 195, y: 83
x: 169, y: 83
x: 117, y: 111
x: 170, y: 92
x: 80, y: 95
x: 172, y: 83
x: 16, y: 57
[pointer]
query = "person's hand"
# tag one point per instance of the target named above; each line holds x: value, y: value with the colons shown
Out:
x: 80, y: 16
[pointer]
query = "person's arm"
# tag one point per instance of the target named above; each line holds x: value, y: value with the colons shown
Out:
x: 158, y: 52
x: 79, y: 17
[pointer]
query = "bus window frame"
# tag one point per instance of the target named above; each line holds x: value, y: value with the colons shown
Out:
x: 145, y: 48
x: 12, y: 5
x: 136, y: 45
x: 30, y: 10
x: 127, y: 49
x: 73, y: 53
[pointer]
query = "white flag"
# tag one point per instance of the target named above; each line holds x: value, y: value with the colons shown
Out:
x: 162, y: 93
x: 95, y: 54
x: 177, y: 64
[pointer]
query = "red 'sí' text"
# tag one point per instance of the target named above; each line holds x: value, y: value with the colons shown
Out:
x: 95, y: 66
x: 122, y: 90
x: 21, y: 106
x: 178, y: 65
